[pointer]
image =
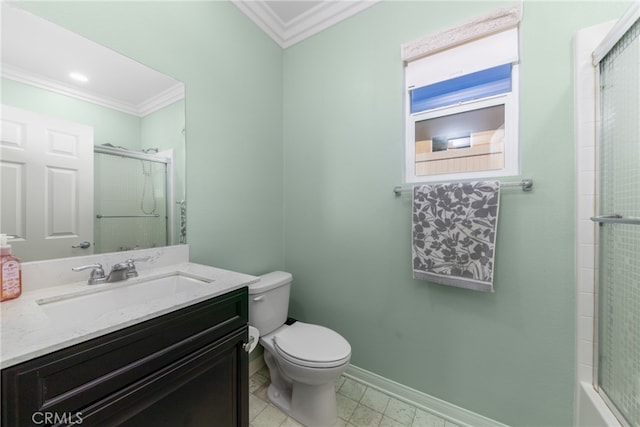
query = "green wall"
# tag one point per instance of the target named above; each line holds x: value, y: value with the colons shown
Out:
x: 507, y: 355
x: 321, y: 204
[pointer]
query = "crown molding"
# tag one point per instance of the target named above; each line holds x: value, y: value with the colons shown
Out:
x: 147, y: 107
x: 314, y: 20
x: 161, y: 100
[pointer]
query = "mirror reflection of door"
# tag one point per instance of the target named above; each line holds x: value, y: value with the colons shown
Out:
x: 50, y: 161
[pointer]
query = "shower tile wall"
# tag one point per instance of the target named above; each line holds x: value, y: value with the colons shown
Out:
x: 586, y: 170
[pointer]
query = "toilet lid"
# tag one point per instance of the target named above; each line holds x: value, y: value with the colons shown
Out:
x: 312, y: 345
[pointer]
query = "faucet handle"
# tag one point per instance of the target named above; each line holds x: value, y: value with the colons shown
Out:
x: 97, y: 274
x: 86, y: 267
x: 144, y: 258
x: 131, y: 267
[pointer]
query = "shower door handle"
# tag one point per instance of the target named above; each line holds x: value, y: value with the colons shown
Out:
x: 615, y: 219
x: 82, y: 245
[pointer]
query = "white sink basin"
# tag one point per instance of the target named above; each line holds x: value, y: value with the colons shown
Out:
x: 114, y: 297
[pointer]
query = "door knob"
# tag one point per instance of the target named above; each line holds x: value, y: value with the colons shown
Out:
x: 82, y: 245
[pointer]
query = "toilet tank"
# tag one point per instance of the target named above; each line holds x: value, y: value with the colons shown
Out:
x: 269, y: 301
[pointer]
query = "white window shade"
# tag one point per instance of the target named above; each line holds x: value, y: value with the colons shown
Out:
x: 487, y: 52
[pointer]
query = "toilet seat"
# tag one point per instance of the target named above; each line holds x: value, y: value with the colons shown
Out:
x: 312, y: 346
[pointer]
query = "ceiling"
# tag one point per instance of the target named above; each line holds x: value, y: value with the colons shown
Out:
x: 288, y: 22
x: 37, y: 52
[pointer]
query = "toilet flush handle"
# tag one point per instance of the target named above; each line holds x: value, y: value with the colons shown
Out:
x: 259, y: 298
x: 247, y: 346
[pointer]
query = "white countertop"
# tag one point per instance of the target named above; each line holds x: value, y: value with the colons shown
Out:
x: 27, y: 332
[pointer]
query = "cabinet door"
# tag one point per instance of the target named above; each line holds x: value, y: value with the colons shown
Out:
x: 205, y: 389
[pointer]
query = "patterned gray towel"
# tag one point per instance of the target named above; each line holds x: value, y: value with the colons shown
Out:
x: 454, y: 233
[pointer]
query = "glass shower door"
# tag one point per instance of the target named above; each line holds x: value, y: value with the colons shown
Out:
x: 130, y: 203
x: 619, y: 228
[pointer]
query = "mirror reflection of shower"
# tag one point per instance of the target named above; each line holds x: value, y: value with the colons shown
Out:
x: 148, y: 189
x: 133, y: 192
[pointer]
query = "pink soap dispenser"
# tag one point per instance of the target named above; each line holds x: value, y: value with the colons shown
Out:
x: 10, y: 271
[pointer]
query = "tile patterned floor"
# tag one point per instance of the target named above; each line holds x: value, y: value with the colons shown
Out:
x: 358, y: 406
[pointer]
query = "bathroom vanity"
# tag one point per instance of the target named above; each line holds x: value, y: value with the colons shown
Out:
x: 180, y: 363
x: 183, y: 368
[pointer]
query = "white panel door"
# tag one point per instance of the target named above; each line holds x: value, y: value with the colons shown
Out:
x: 47, y: 185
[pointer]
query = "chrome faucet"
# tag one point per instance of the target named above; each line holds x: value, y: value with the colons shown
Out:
x: 124, y: 270
x: 120, y: 271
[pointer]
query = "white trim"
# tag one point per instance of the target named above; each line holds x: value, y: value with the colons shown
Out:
x: 263, y: 17
x: 161, y: 100
x: 477, y: 28
x: 149, y: 106
x: 441, y: 408
x: 316, y: 19
x: 619, y: 29
x: 592, y: 409
x: 322, y: 17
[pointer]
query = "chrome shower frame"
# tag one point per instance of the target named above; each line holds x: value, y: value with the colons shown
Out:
x: 165, y: 157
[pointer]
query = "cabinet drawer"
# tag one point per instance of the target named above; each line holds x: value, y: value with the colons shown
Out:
x: 75, y: 377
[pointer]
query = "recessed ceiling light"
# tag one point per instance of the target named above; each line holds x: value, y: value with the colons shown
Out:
x: 79, y: 77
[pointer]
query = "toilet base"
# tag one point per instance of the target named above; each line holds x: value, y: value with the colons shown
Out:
x: 311, y: 405
x: 304, y: 393
x: 280, y: 400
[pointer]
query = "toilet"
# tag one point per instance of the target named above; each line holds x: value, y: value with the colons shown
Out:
x: 304, y: 360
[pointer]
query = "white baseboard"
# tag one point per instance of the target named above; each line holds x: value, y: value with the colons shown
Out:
x: 442, y: 409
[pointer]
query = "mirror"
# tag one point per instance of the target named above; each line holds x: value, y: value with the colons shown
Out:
x: 110, y: 149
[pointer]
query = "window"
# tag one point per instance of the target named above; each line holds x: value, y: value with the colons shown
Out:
x: 462, y: 103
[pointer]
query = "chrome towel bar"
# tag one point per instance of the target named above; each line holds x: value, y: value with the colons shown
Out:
x: 127, y: 216
x: 615, y: 219
x: 526, y: 184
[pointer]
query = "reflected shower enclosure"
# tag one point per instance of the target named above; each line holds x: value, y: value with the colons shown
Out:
x: 132, y: 195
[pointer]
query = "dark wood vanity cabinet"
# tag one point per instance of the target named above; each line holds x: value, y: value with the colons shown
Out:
x: 186, y: 368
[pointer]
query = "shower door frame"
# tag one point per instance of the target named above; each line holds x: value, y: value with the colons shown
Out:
x: 617, y: 32
x: 590, y: 408
x: 165, y: 157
